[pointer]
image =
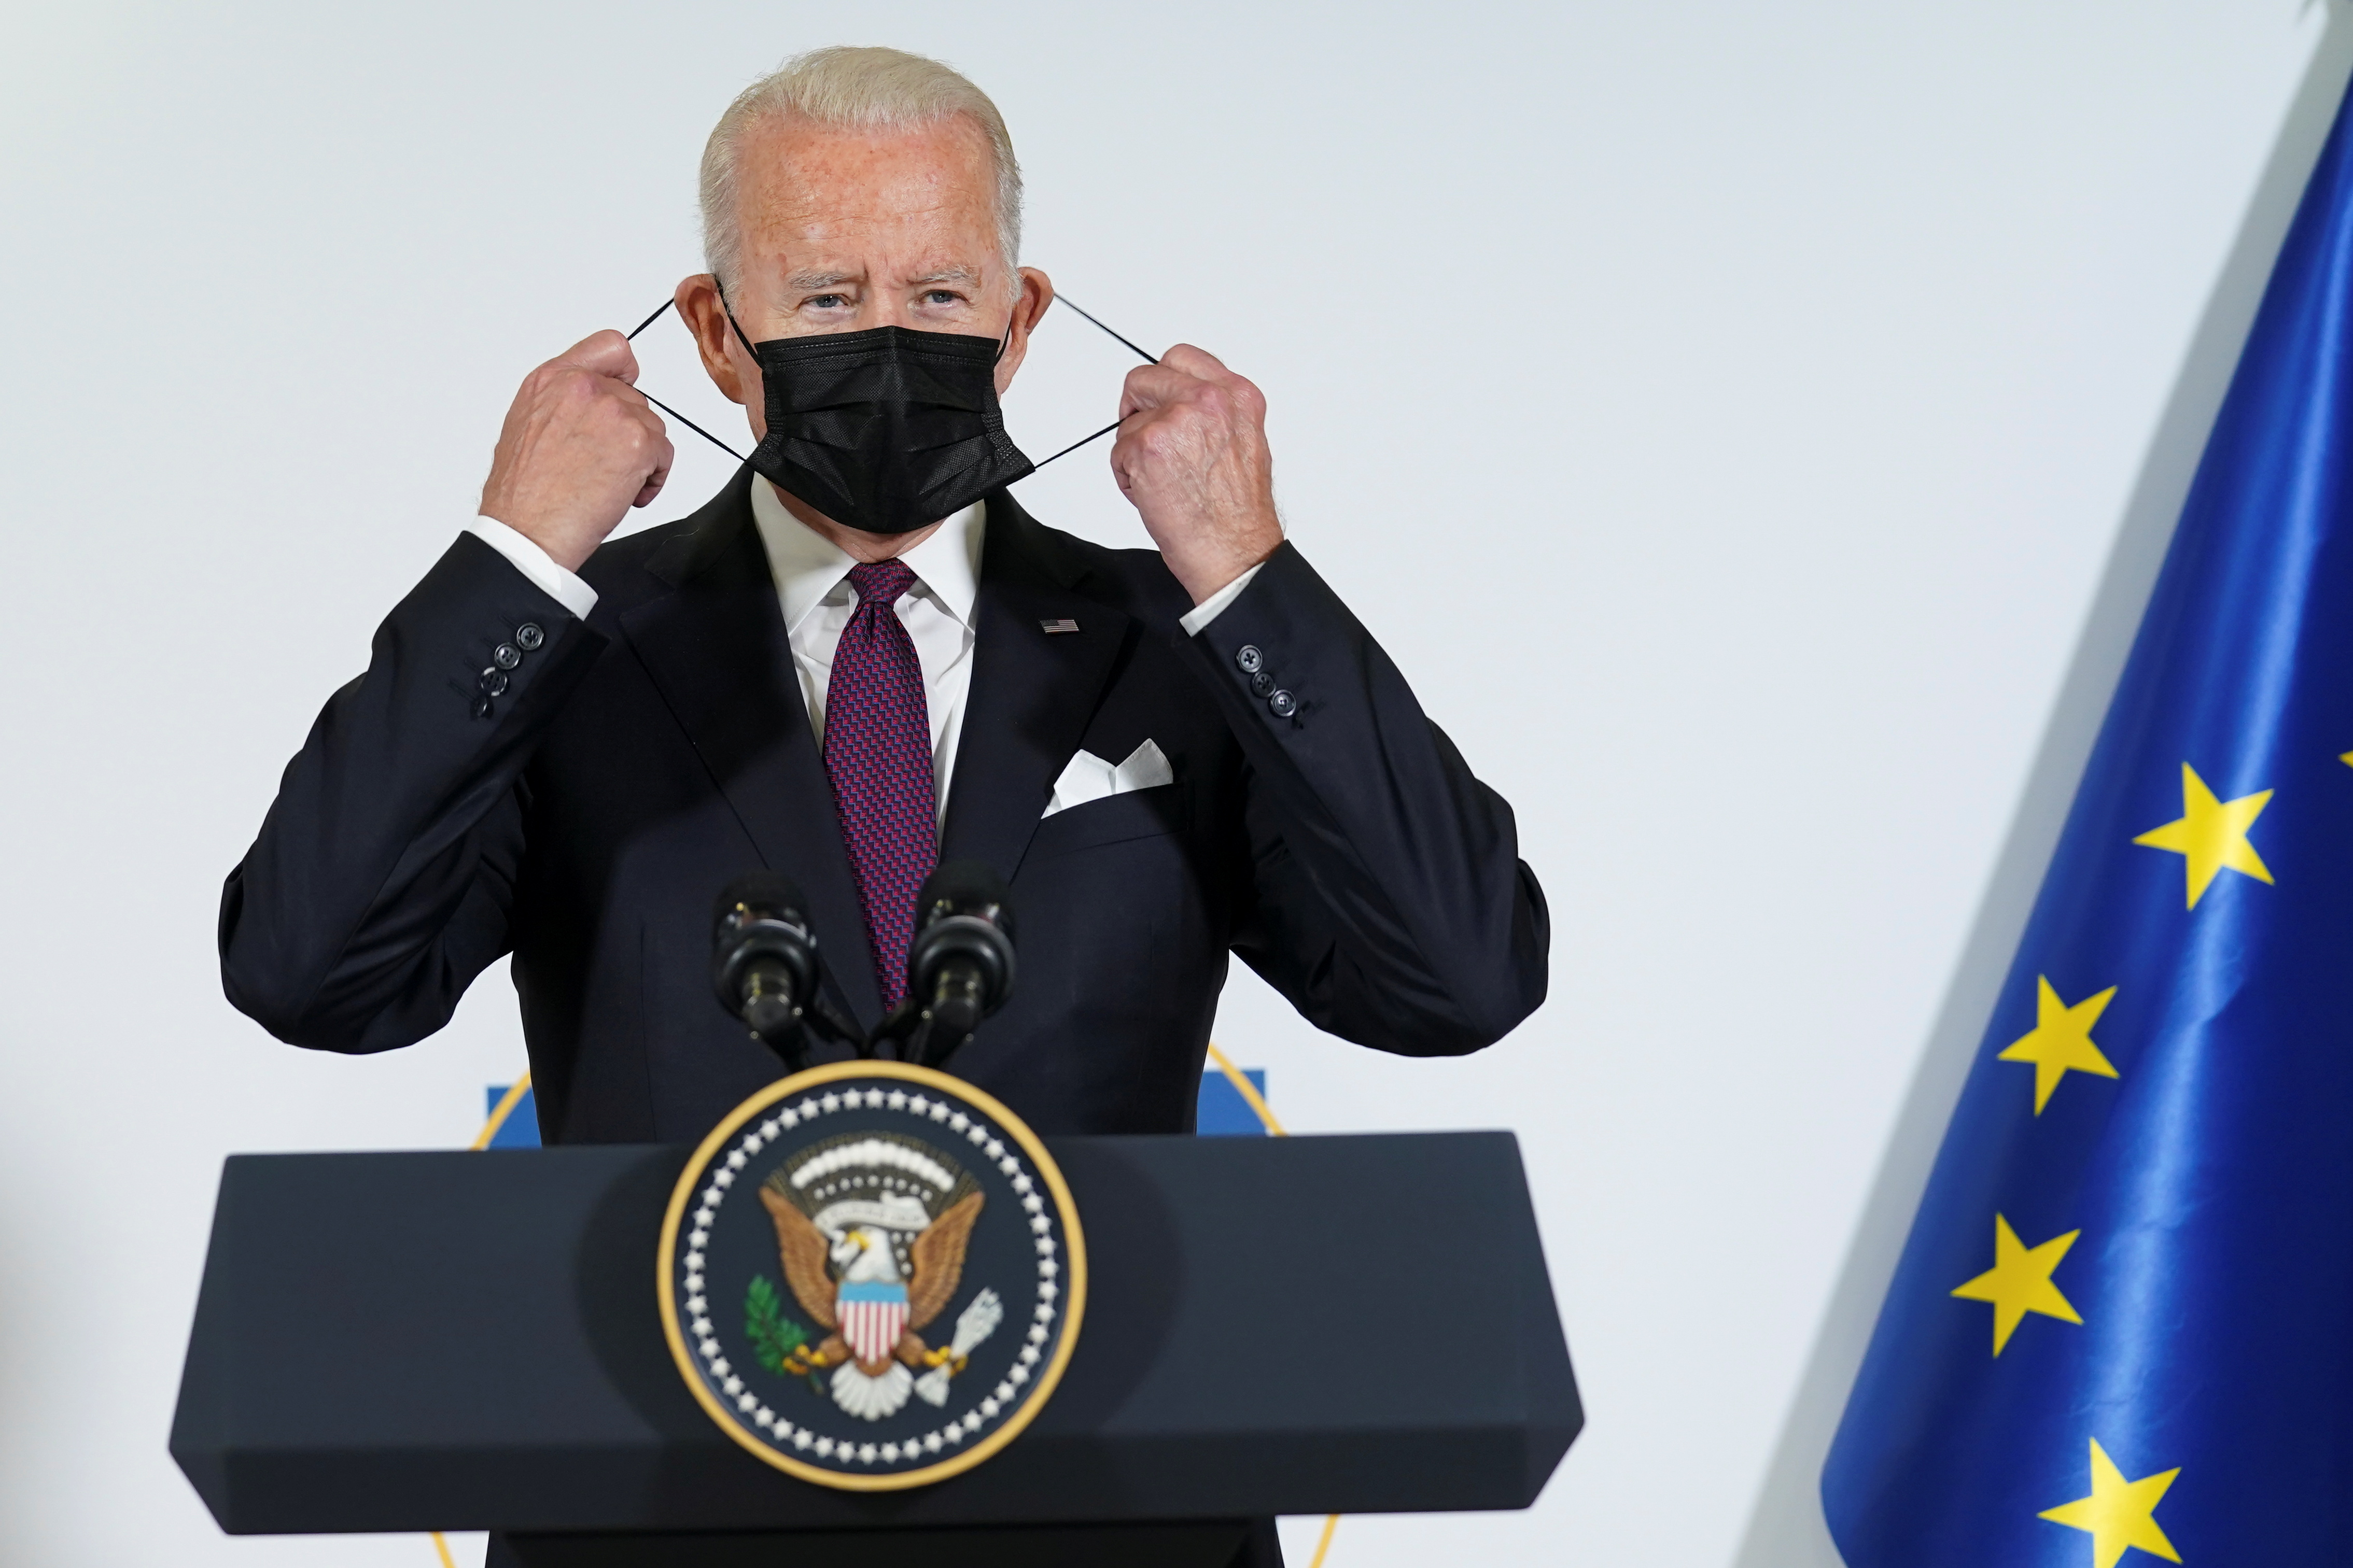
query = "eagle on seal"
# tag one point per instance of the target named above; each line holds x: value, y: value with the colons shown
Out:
x: 850, y: 1283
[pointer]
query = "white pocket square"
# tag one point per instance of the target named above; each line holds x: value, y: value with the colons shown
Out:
x: 1089, y: 777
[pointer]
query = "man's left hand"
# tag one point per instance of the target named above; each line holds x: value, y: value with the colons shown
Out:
x: 1192, y: 456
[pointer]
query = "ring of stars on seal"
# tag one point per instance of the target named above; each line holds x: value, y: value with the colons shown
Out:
x: 871, y: 1275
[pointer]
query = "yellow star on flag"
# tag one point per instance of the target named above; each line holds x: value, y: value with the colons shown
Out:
x: 2120, y: 1514
x: 2211, y: 835
x: 2061, y: 1041
x: 2019, y: 1281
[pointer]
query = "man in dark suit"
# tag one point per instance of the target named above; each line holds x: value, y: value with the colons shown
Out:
x: 563, y: 747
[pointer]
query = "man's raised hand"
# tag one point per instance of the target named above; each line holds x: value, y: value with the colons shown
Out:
x: 1192, y: 456
x: 579, y: 448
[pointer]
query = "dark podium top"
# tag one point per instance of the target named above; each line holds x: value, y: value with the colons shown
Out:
x: 463, y: 1341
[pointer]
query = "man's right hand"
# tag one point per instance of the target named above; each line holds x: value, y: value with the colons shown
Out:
x: 580, y: 447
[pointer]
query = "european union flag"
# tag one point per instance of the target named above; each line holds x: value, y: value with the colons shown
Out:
x: 1223, y: 1112
x: 2122, y: 1328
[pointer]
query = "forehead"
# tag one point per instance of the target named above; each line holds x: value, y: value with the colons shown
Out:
x: 810, y: 194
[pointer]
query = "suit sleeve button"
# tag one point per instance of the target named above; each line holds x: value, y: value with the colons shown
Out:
x: 482, y: 707
x: 1283, y: 703
x: 1250, y: 659
x: 528, y: 637
x: 494, y: 682
x: 506, y: 656
x: 1261, y: 683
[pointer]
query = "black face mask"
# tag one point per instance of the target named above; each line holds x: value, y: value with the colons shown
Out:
x: 886, y: 430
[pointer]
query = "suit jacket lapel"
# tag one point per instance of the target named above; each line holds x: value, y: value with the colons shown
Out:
x: 716, y: 650
x: 1032, y: 693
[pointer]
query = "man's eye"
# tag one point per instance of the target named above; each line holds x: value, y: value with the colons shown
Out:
x: 939, y: 297
x: 828, y: 301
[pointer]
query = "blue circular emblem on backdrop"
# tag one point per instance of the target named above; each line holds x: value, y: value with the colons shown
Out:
x: 871, y: 1275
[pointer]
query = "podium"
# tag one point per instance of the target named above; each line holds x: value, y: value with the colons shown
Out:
x: 413, y: 1342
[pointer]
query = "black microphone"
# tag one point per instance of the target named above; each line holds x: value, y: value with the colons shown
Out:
x: 960, y: 963
x: 764, y: 966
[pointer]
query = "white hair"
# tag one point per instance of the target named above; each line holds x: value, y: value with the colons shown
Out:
x: 868, y: 88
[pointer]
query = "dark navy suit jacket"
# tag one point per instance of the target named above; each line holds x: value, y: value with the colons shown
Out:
x: 641, y: 759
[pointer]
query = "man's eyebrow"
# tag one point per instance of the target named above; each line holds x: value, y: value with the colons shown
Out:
x: 799, y: 280
x: 948, y: 275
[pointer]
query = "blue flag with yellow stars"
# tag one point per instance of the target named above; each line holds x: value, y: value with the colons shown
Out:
x: 2121, y: 1327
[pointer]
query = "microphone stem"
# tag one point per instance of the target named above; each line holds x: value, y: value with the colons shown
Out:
x: 957, y: 999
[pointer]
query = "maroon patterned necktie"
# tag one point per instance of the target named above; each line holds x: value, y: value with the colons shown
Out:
x: 878, y: 752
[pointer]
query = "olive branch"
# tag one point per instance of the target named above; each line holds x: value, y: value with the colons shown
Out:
x: 774, y: 1336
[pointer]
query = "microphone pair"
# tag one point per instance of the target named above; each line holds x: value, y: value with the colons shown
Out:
x: 767, y: 970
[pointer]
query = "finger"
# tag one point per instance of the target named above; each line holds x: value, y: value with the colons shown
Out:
x: 1226, y: 402
x: 1197, y: 361
x: 1210, y: 371
x: 1127, y: 455
x: 1154, y: 386
x: 660, y: 474
x: 607, y: 354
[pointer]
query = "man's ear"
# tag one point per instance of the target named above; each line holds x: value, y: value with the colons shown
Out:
x: 1037, y: 292
x: 724, y: 359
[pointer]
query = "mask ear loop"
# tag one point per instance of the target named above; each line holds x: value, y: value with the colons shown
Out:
x: 1148, y: 359
x: 731, y: 321
x: 1082, y: 310
x: 665, y: 407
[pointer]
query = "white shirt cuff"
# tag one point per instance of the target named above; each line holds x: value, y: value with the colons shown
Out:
x: 565, y: 588
x: 1208, y: 609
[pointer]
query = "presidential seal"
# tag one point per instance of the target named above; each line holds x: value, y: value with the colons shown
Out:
x: 871, y: 1275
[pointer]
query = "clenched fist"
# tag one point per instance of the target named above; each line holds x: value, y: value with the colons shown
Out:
x: 579, y: 448
x: 1192, y: 456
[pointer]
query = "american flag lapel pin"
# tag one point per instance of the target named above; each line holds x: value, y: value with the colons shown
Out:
x: 1055, y: 627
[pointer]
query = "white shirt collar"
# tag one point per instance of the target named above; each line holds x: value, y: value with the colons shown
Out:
x: 808, y: 567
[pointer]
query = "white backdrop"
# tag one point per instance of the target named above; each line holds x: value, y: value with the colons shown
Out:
x: 1751, y: 427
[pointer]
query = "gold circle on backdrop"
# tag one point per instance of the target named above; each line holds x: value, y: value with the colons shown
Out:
x: 892, y: 1199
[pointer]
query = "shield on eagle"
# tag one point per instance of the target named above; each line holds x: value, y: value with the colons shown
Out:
x: 873, y: 1314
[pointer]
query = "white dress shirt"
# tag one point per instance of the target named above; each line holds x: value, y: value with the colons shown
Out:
x: 812, y: 576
